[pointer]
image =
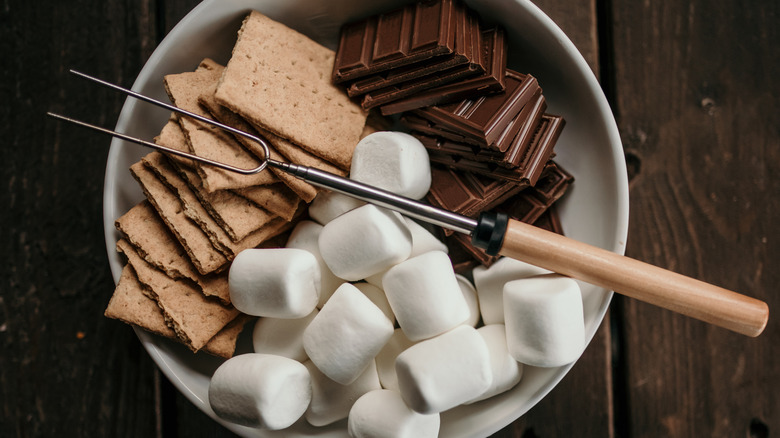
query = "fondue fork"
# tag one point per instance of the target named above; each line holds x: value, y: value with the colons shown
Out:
x: 498, y: 234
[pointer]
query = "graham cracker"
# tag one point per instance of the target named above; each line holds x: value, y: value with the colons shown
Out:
x: 196, y: 215
x: 277, y: 198
x: 234, y: 214
x: 208, y: 141
x: 171, y: 136
x: 280, y: 80
x: 279, y: 148
x: 194, y: 318
x: 203, y: 254
x: 274, y: 197
x: 131, y: 305
x: 147, y: 233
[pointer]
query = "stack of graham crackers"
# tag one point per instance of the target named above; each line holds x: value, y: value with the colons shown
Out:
x: 181, y: 239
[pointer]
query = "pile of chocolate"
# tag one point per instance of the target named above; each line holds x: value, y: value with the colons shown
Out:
x: 438, y: 67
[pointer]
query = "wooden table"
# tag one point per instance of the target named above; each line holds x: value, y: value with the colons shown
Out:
x: 694, y: 88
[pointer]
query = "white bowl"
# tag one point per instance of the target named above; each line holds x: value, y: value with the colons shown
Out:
x: 595, y: 210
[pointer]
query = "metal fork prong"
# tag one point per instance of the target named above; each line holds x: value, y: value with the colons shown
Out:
x: 262, y: 142
x: 162, y: 148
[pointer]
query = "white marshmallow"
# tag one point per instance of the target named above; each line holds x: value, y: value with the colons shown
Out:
x: 346, y: 335
x: 306, y: 236
x: 260, y: 390
x: 330, y: 205
x: 383, y: 414
x: 394, y: 161
x: 423, y: 240
x: 385, y: 360
x: 506, y: 371
x: 331, y: 401
x: 378, y: 297
x: 489, y: 283
x: 443, y: 372
x: 544, y: 320
x: 425, y: 295
x: 283, y: 337
x: 470, y: 295
x: 277, y: 282
x: 364, y: 241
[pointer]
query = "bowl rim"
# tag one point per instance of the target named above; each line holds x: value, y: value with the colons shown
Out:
x: 618, y: 163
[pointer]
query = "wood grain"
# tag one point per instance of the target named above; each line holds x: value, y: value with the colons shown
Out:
x: 64, y: 368
x: 696, y: 102
x: 693, y: 86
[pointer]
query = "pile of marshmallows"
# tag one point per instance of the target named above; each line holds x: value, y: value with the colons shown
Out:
x: 326, y: 347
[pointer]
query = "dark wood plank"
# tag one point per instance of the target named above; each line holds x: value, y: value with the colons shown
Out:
x: 697, y: 103
x: 64, y: 368
x: 580, y: 405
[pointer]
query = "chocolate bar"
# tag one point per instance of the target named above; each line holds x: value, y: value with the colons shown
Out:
x: 531, y: 160
x: 550, y: 220
x: 534, y: 205
x: 410, y: 34
x: 492, y: 81
x: 532, y: 202
x: 439, y: 85
x: 517, y: 135
x: 468, y: 58
x: 467, y: 193
x: 465, y: 256
x: 483, y: 119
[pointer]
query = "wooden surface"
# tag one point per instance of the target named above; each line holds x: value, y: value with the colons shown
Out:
x: 694, y: 89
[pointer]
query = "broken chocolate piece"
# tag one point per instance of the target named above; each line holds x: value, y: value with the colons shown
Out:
x: 531, y: 162
x: 467, y: 193
x: 534, y: 205
x: 484, y: 118
x: 517, y: 135
x: 492, y: 81
x: 468, y: 57
x: 393, y: 39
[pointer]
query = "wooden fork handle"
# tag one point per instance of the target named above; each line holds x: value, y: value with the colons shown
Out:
x: 635, y: 279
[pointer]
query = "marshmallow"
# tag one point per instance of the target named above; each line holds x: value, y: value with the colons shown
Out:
x: 278, y: 282
x: 260, y: 390
x: 383, y: 414
x: 489, y: 283
x: 506, y: 371
x: 331, y: 401
x: 364, y: 241
x: 423, y: 240
x: 283, y: 337
x: 470, y: 295
x: 378, y: 297
x: 385, y: 360
x: 394, y: 161
x: 425, y: 295
x: 443, y: 372
x: 306, y: 236
x: 330, y: 205
x: 346, y: 335
x: 544, y: 320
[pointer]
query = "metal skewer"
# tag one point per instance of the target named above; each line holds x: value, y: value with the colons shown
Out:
x: 497, y: 234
